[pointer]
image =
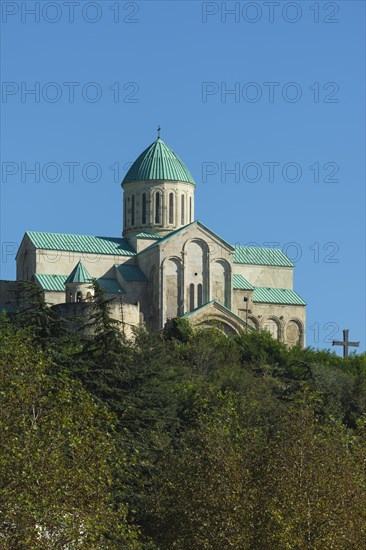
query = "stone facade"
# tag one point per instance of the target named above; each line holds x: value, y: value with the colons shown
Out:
x: 127, y: 314
x: 166, y: 264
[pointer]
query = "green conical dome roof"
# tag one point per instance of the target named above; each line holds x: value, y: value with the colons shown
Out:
x: 79, y: 274
x: 158, y: 162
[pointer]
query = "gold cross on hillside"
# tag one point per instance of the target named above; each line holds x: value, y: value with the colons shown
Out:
x: 346, y: 343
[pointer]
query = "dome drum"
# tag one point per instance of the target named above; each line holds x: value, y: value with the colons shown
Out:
x: 158, y: 192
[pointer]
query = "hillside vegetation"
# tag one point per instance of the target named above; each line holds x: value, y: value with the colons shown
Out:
x: 185, y: 439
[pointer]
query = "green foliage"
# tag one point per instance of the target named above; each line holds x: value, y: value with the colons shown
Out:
x: 186, y: 439
x: 316, y: 482
x: 57, y: 458
x: 178, y: 329
x: 283, y: 481
x: 43, y: 322
x: 107, y: 338
x: 208, y: 351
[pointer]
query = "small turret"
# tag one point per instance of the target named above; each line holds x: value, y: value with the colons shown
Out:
x: 78, y: 285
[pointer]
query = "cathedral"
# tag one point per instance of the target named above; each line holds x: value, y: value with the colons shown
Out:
x: 166, y: 264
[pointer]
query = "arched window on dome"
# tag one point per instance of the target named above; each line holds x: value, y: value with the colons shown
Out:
x: 143, y: 214
x: 182, y: 204
x: 191, y: 297
x: 157, y: 207
x: 171, y: 208
x: 190, y: 209
x: 133, y: 210
x: 125, y: 213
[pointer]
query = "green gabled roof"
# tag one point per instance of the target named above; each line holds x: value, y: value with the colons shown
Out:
x: 110, y: 286
x: 81, y: 243
x: 143, y: 235
x: 79, y: 274
x: 56, y: 283
x: 253, y: 255
x: 131, y: 273
x: 241, y: 283
x: 158, y: 162
x: 277, y: 296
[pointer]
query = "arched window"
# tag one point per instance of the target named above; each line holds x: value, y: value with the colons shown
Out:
x: 157, y: 208
x: 190, y: 209
x: 191, y: 297
x: 182, y: 210
x: 79, y: 296
x: 125, y: 213
x: 133, y: 210
x: 171, y: 208
x: 143, y: 215
x: 88, y: 297
x: 273, y: 328
x: 199, y: 295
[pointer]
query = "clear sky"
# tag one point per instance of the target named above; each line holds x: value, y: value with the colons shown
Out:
x: 263, y: 101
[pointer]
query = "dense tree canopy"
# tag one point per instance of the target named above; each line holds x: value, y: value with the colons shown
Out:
x: 185, y: 439
x: 57, y: 457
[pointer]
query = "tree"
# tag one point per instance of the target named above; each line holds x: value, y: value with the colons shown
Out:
x: 57, y: 458
x: 136, y: 383
x: 247, y: 476
x: 316, y: 481
x: 106, y: 339
x: 208, y: 351
x: 208, y: 494
x: 179, y: 329
x: 35, y: 313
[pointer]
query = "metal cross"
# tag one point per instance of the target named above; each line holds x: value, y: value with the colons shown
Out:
x: 346, y: 343
x: 159, y: 131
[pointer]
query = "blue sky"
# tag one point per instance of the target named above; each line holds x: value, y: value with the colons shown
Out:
x: 264, y: 102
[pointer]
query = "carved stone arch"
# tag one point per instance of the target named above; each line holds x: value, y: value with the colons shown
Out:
x: 172, y: 287
x: 220, y: 273
x: 173, y: 257
x: 156, y: 188
x: 195, y: 253
x: 273, y: 325
x: 253, y: 322
x: 223, y: 260
x: 197, y: 240
x: 294, y: 332
x: 223, y: 325
x: 227, y: 266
